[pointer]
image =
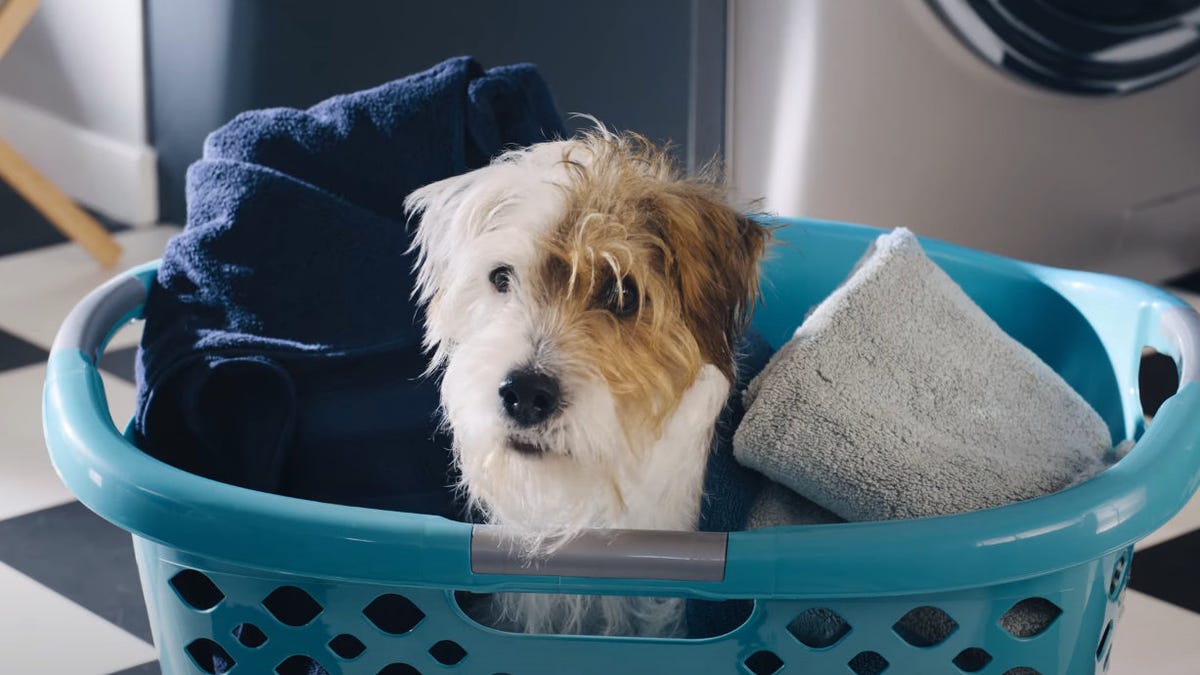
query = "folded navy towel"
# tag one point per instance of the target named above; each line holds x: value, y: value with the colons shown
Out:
x: 730, y: 489
x: 281, y: 345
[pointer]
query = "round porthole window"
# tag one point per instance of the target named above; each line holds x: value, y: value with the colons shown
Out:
x: 1094, y: 47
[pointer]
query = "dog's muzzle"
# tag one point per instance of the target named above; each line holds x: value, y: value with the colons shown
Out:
x: 530, y: 397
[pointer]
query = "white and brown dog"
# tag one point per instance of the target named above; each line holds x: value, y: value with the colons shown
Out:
x: 583, y: 303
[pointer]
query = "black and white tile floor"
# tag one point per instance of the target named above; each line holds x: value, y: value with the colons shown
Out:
x: 70, y: 603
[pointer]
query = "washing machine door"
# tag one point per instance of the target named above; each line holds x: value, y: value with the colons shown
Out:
x: 1096, y: 47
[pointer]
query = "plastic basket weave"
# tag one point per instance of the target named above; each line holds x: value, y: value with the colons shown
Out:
x: 278, y: 584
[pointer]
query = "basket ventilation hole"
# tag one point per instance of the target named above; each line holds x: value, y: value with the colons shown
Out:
x: 300, y: 665
x: 1158, y: 380
x: 393, y: 614
x: 972, y: 660
x: 399, y: 669
x: 818, y: 628
x: 1029, y: 617
x: 868, y: 663
x: 1116, y: 585
x: 1104, y: 641
x: 291, y: 606
x: 347, y: 646
x: 925, y: 626
x: 1021, y: 670
x: 249, y: 635
x: 197, y: 590
x: 764, y: 663
x: 210, y: 656
x: 448, y: 652
x: 1107, y: 659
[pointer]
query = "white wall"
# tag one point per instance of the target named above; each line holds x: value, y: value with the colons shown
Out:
x: 73, y: 101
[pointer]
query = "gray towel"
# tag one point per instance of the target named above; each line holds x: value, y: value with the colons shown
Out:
x: 900, y: 398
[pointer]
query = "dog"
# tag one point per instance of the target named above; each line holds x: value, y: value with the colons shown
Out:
x: 583, y: 301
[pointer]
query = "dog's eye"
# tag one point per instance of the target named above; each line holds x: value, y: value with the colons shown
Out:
x: 501, y: 278
x: 620, y: 299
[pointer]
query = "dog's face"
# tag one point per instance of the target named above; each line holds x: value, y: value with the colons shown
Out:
x: 574, y: 291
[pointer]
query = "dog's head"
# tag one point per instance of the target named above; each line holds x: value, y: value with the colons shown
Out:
x: 573, y: 291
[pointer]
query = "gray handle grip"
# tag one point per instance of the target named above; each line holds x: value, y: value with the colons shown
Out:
x: 609, y: 554
x: 99, y: 314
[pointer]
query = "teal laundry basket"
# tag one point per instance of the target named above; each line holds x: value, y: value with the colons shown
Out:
x: 281, y: 585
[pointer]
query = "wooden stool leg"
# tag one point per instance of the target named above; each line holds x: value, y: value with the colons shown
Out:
x: 57, y: 207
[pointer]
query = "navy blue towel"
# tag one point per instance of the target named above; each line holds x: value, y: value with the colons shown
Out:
x: 730, y: 490
x: 281, y: 344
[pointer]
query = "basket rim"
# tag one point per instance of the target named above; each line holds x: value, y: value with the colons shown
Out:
x: 238, y: 526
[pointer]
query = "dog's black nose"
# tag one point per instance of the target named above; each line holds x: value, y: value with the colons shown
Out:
x: 530, y: 397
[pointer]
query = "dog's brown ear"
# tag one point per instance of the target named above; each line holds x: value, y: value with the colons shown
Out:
x: 716, y: 252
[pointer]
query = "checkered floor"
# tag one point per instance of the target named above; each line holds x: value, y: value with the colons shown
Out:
x: 70, y: 603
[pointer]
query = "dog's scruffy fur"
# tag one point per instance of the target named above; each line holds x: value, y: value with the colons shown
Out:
x: 595, y: 263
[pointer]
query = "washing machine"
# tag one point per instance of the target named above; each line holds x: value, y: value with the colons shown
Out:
x: 1065, y: 132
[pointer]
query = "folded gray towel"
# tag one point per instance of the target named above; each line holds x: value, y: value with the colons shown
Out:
x: 900, y: 398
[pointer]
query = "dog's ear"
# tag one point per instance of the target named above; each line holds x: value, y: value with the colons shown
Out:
x: 441, y: 210
x: 716, y: 251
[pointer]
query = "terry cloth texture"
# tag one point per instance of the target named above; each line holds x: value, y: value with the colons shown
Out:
x: 898, y: 397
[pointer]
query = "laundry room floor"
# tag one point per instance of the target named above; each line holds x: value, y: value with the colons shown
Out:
x: 70, y: 602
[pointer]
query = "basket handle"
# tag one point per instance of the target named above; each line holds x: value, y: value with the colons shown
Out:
x: 665, y: 560
x: 103, y: 312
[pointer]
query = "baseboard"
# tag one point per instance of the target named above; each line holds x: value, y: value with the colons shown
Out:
x: 115, y: 178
